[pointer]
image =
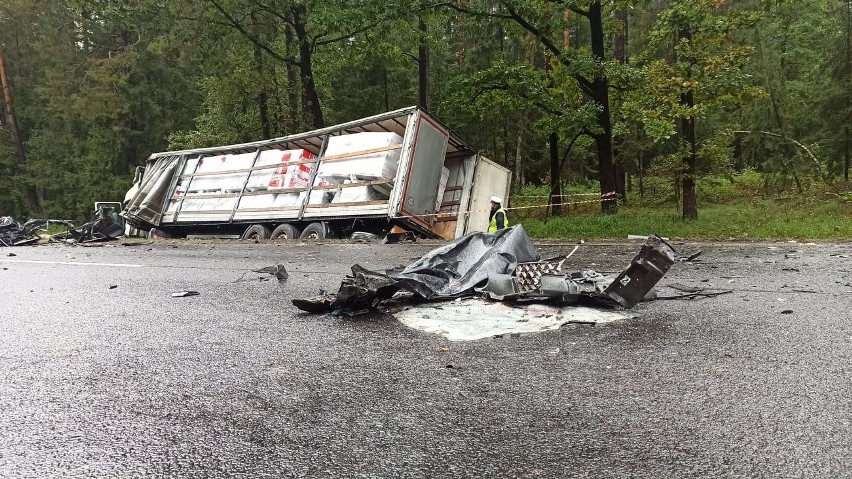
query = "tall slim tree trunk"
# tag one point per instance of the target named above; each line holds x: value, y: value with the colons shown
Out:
x: 555, y: 174
x: 423, y: 68
x: 690, y: 203
x: 262, y: 98
x: 292, y: 81
x: 619, y: 44
x: 306, y: 67
x: 847, y: 144
x: 847, y: 154
x: 687, y: 99
x: 30, y: 190
x: 518, y: 173
x: 600, y: 94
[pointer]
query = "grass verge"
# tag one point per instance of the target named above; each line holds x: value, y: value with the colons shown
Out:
x: 749, y: 219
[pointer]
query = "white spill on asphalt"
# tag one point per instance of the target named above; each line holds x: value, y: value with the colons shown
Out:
x: 472, y: 319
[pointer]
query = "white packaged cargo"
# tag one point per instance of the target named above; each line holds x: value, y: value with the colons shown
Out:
x: 224, y: 204
x: 257, y: 201
x: 321, y: 196
x: 198, y: 204
x: 357, y: 194
x: 259, y: 179
x: 442, y: 186
x: 227, y: 182
x: 318, y: 197
x: 291, y: 176
x: 285, y: 199
x: 381, y: 164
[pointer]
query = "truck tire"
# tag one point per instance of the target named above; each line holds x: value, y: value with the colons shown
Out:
x: 285, y: 231
x: 256, y: 232
x: 315, y: 231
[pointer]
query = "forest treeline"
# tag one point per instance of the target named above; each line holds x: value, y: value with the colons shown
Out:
x: 560, y: 91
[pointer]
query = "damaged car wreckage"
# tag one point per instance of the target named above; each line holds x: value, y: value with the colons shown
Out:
x: 102, y: 227
x: 502, y: 266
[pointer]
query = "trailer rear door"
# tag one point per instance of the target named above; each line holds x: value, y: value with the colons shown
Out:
x: 422, y: 169
x: 489, y: 179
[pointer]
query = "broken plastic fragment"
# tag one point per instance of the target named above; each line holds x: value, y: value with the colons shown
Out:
x: 278, y: 271
x: 181, y: 294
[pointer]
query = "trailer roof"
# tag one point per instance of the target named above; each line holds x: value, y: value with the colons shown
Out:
x: 394, y: 121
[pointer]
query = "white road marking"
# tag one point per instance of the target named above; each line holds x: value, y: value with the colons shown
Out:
x: 73, y: 263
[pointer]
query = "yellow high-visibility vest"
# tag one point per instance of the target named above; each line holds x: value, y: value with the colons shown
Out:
x: 492, y: 228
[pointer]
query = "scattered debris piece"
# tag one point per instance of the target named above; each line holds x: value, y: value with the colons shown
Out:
x: 364, y: 237
x: 690, y: 258
x: 647, y: 268
x: 321, y: 303
x: 687, y: 289
x: 787, y: 311
x: 641, y: 237
x: 700, y: 293
x: 401, y: 237
x: 137, y: 243
x: 278, y: 271
x: 113, y: 286
x: 182, y: 294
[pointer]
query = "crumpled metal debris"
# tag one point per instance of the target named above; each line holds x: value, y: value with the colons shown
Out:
x: 14, y: 234
x: 489, y: 264
x: 102, y: 228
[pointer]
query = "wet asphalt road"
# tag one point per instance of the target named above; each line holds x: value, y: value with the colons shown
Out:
x: 130, y: 382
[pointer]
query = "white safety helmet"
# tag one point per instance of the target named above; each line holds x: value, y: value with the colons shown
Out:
x: 497, y: 199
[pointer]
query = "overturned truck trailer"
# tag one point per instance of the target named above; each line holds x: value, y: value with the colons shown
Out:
x: 403, y: 168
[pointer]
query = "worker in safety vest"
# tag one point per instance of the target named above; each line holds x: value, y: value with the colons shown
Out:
x: 498, y: 218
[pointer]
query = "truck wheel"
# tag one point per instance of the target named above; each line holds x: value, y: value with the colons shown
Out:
x: 285, y: 231
x: 256, y: 232
x: 315, y: 231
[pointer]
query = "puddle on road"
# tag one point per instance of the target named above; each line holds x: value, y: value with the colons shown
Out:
x: 472, y: 319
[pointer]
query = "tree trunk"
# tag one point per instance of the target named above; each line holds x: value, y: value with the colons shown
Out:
x: 30, y: 190
x: 292, y: 82
x: 262, y: 98
x: 600, y: 94
x: 306, y: 67
x: 687, y: 99
x: 385, y: 87
x: 847, y: 140
x: 690, y: 202
x: 846, y: 154
x: 423, y: 68
x: 555, y: 177
x: 619, y: 44
x: 518, y: 173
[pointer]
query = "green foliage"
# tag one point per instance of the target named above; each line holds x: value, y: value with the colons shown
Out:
x: 747, y: 220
